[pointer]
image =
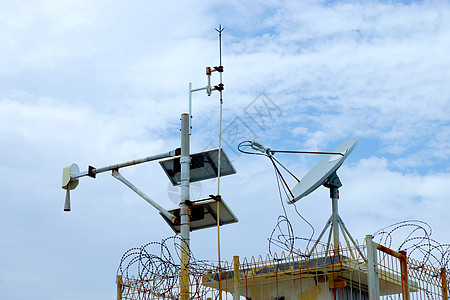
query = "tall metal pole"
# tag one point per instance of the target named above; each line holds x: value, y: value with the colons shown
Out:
x: 184, y: 211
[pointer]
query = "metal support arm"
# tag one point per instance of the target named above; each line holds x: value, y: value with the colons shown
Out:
x: 94, y: 171
x: 167, y: 214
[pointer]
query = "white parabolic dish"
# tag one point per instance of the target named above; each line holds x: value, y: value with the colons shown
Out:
x: 322, y: 171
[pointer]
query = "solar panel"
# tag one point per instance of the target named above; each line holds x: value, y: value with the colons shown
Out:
x: 204, y: 165
x: 203, y: 215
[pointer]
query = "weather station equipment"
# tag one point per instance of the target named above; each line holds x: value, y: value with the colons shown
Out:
x: 182, y: 168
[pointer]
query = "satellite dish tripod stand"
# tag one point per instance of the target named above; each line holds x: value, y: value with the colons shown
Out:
x: 335, y: 222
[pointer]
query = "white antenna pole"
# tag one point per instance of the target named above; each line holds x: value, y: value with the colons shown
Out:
x: 184, y: 209
x: 190, y: 107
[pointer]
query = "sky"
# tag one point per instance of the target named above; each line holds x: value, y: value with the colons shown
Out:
x: 102, y: 82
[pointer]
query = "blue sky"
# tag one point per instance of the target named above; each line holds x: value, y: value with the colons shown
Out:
x: 97, y: 83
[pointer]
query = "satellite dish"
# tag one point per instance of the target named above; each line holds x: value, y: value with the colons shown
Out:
x: 322, y: 171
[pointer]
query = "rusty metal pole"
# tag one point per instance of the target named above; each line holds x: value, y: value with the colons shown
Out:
x: 184, y: 209
x: 444, y: 284
x: 236, y: 277
x: 404, y: 269
x: 119, y: 287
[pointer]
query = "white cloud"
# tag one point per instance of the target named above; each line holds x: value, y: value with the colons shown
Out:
x: 45, y: 34
x: 374, y: 189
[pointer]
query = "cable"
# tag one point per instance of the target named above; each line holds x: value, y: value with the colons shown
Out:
x: 282, y: 235
x: 283, y: 239
x: 307, y: 222
x: 286, y: 240
x: 248, y: 144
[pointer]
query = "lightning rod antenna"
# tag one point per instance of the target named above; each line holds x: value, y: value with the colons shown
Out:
x: 220, y: 150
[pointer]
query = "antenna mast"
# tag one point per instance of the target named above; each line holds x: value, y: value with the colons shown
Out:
x: 220, y: 152
x: 209, y: 89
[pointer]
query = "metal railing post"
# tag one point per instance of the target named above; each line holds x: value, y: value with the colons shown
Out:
x: 236, y: 277
x: 372, y: 269
x: 404, y: 269
x: 119, y: 287
x: 444, y: 284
